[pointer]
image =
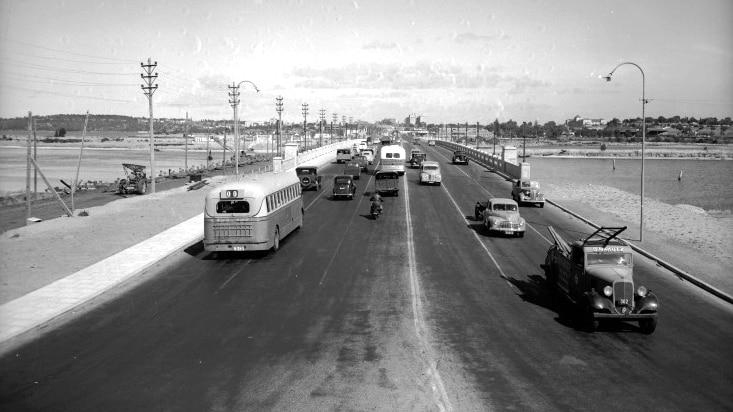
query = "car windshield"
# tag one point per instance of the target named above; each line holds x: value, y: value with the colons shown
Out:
x: 615, y: 259
x: 305, y: 172
x: 505, y: 206
x: 430, y: 168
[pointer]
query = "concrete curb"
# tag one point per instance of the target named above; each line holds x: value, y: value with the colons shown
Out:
x: 45, y: 304
x: 675, y: 270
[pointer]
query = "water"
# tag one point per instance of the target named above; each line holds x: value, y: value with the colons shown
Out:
x: 707, y: 184
x: 97, y: 164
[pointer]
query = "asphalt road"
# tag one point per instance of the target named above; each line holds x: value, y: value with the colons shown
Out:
x: 419, y: 310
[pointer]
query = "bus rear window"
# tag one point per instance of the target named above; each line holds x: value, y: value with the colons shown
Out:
x: 232, y: 206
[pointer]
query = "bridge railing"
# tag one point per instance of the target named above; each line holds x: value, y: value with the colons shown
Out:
x: 489, y: 160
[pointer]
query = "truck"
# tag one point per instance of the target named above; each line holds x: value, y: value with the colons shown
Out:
x: 597, y: 275
x: 135, y: 182
x: 387, y: 182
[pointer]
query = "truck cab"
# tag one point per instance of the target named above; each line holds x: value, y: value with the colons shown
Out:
x: 597, y: 274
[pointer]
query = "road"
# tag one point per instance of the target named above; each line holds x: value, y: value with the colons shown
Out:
x: 419, y: 310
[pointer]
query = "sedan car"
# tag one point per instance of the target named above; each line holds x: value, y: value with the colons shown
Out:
x: 344, y: 186
x: 459, y: 156
x: 501, y: 216
x: 430, y: 173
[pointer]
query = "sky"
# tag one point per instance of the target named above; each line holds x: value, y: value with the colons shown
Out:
x: 448, y: 61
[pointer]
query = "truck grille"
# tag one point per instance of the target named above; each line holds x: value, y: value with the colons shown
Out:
x: 508, y: 225
x: 623, y: 293
x: 233, y: 230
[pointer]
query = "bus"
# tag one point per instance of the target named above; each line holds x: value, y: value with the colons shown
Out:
x: 392, y: 158
x: 253, y: 214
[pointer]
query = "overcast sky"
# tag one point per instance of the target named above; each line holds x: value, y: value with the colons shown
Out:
x: 450, y: 61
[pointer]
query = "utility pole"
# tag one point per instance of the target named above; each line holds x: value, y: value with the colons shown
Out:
x: 28, y: 171
x: 148, y: 89
x: 335, y: 118
x: 279, y: 109
x: 477, y: 134
x: 305, y: 120
x: 185, y: 143
x: 323, y: 118
x: 224, y: 153
x: 234, y: 101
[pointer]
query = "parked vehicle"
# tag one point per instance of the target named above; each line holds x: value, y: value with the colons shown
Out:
x: 417, y: 158
x: 309, y: 178
x: 500, y: 216
x: 344, y: 186
x: 430, y: 173
x: 459, y: 156
x: 343, y: 155
x: 528, y: 191
x: 386, y: 182
x: 135, y: 180
x: 352, y: 169
x: 597, y: 274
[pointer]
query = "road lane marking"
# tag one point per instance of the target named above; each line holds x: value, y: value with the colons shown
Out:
x: 232, y: 276
x: 439, y: 392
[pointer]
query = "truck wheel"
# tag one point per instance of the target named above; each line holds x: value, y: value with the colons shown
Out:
x: 590, y: 323
x: 648, y: 326
x: 143, y: 187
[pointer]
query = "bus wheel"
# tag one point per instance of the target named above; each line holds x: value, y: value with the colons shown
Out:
x: 276, y: 241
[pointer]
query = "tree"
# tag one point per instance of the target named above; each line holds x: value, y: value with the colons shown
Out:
x: 60, y: 132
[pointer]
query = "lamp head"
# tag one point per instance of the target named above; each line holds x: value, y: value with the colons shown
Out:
x: 608, y: 78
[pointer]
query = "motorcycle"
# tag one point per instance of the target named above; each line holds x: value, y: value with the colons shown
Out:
x: 376, y: 210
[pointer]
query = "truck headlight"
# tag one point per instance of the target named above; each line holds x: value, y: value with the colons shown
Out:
x: 641, y: 291
x: 608, y: 291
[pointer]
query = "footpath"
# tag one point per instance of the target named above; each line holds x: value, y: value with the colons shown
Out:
x: 53, y: 267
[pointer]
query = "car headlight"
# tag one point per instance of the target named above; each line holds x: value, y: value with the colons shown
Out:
x: 608, y: 291
x: 641, y: 291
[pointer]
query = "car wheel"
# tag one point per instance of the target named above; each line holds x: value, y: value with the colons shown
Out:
x: 520, y: 234
x: 276, y: 241
x: 648, y: 325
x: 542, y: 205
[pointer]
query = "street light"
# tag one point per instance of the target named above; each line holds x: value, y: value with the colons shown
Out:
x: 644, y: 101
x: 234, y: 94
x: 279, y: 109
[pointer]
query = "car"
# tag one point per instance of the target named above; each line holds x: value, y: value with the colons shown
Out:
x: 344, y: 186
x: 308, y: 176
x: 459, y: 156
x: 431, y: 142
x: 363, y: 162
x: 369, y: 154
x: 501, y: 216
x: 417, y: 158
x: 597, y: 275
x: 343, y: 155
x: 430, y: 173
x: 353, y: 169
x: 528, y: 191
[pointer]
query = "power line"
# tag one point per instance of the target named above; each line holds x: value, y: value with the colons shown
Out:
x: 72, y: 53
x: 64, y: 94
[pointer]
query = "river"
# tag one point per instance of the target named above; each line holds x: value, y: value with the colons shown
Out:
x: 707, y: 184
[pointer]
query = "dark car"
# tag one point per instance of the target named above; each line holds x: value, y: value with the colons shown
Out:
x: 353, y: 169
x: 387, y: 182
x: 344, y: 186
x: 417, y: 158
x: 308, y: 176
x: 363, y: 162
x: 459, y: 156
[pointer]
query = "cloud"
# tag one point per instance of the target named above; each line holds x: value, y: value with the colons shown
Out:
x: 464, y: 38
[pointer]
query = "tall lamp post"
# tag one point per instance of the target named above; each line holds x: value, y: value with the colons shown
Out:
x: 305, y: 124
x: 234, y: 94
x: 323, y: 118
x: 644, y: 101
x: 279, y: 109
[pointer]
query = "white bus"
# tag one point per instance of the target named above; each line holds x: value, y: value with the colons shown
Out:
x: 392, y: 158
x: 253, y: 214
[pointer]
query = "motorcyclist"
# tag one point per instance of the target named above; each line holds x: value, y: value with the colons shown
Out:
x: 376, y: 202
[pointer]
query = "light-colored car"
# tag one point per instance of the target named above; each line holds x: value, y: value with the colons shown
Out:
x: 528, y: 191
x: 501, y: 215
x: 430, y: 173
x: 431, y: 142
x: 369, y: 154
